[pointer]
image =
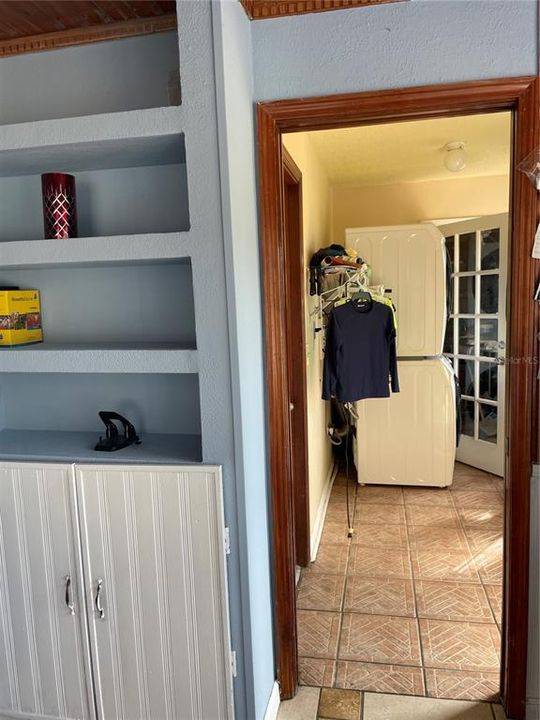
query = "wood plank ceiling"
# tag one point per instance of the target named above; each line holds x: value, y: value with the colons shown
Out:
x: 263, y: 9
x: 34, y: 25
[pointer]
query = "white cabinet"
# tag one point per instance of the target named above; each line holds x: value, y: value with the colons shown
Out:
x: 43, y: 658
x: 150, y: 604
x: 154, y: 573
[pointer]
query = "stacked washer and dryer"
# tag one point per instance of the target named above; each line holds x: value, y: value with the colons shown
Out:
x: 410, y: 437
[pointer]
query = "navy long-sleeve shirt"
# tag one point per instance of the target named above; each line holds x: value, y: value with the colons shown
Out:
x: 360, y: 356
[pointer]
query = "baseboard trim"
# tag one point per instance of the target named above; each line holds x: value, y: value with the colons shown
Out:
x: 272, y: 708
x: 316, y: 531
x: 533, y: 709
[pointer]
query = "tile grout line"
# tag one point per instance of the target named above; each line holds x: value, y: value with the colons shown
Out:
x: 416, y: 613
x: 406, y: 617
x: 351, y: 486
x: 408, y: 695
x: 492, y: 608
x: 341, y: 616
x: 338, y: 645
x: 390, y: 664
x: 354, y: 525
x: 403, y: 578
x: 318, y: 704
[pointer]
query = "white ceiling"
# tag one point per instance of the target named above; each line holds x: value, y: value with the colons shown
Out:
x: 414, y: 151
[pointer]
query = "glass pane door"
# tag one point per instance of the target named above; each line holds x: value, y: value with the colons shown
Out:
x: 476, y: 335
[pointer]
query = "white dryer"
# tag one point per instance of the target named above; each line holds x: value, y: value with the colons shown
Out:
x: 410, y: 260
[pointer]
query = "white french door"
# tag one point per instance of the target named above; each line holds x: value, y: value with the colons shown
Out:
x: 475, y: 338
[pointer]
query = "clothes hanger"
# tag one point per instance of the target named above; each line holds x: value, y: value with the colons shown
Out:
x: 360, y: 293
x: 361, y: 297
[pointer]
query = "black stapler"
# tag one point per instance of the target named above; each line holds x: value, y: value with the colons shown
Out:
x: 113, y: 440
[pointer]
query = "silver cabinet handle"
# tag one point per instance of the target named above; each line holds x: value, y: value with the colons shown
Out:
x: 99, y: 607
x: 68, y: 596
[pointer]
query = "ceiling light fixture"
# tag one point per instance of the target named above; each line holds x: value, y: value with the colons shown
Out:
x: 454, y: 159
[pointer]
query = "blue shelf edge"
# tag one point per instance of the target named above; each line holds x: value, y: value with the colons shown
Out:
x: 70, y: 446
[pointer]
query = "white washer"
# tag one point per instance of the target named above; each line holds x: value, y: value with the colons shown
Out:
x: 409, y: 438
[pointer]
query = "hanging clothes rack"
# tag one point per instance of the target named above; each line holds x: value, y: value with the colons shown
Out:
x: 353, y: 280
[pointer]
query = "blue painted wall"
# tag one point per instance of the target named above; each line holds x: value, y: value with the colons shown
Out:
x: 395, y: 45
x: 212, y: 314
x: 234, y: 85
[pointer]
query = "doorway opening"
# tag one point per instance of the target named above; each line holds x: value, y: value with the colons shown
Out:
x: 412, y: 602
x: 399, y: 611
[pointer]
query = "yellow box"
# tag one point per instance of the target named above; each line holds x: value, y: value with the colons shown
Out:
x: 20, y: 317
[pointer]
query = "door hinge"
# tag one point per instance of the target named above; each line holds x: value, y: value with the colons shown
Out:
x: 233, y: 663
x: 227, y: 541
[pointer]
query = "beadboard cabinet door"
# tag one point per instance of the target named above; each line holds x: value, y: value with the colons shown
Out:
x: 44, y: 660
x: 154, y: 560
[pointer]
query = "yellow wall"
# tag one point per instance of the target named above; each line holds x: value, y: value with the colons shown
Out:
x: 403, y: 203
x: 316, y: 196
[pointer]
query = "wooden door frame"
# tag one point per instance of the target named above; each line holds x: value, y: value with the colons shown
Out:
x: 293, y: 254
x: 521, y: 96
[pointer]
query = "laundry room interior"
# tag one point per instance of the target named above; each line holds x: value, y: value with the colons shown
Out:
x: 397, y: 260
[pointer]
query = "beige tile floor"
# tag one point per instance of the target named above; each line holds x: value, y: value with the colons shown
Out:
x: 334, y: 704
x: 411, y: 605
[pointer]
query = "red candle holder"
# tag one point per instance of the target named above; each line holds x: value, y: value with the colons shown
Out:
x: 59, y: 206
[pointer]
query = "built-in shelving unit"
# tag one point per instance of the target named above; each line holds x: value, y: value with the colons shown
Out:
x: 118, y: 308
